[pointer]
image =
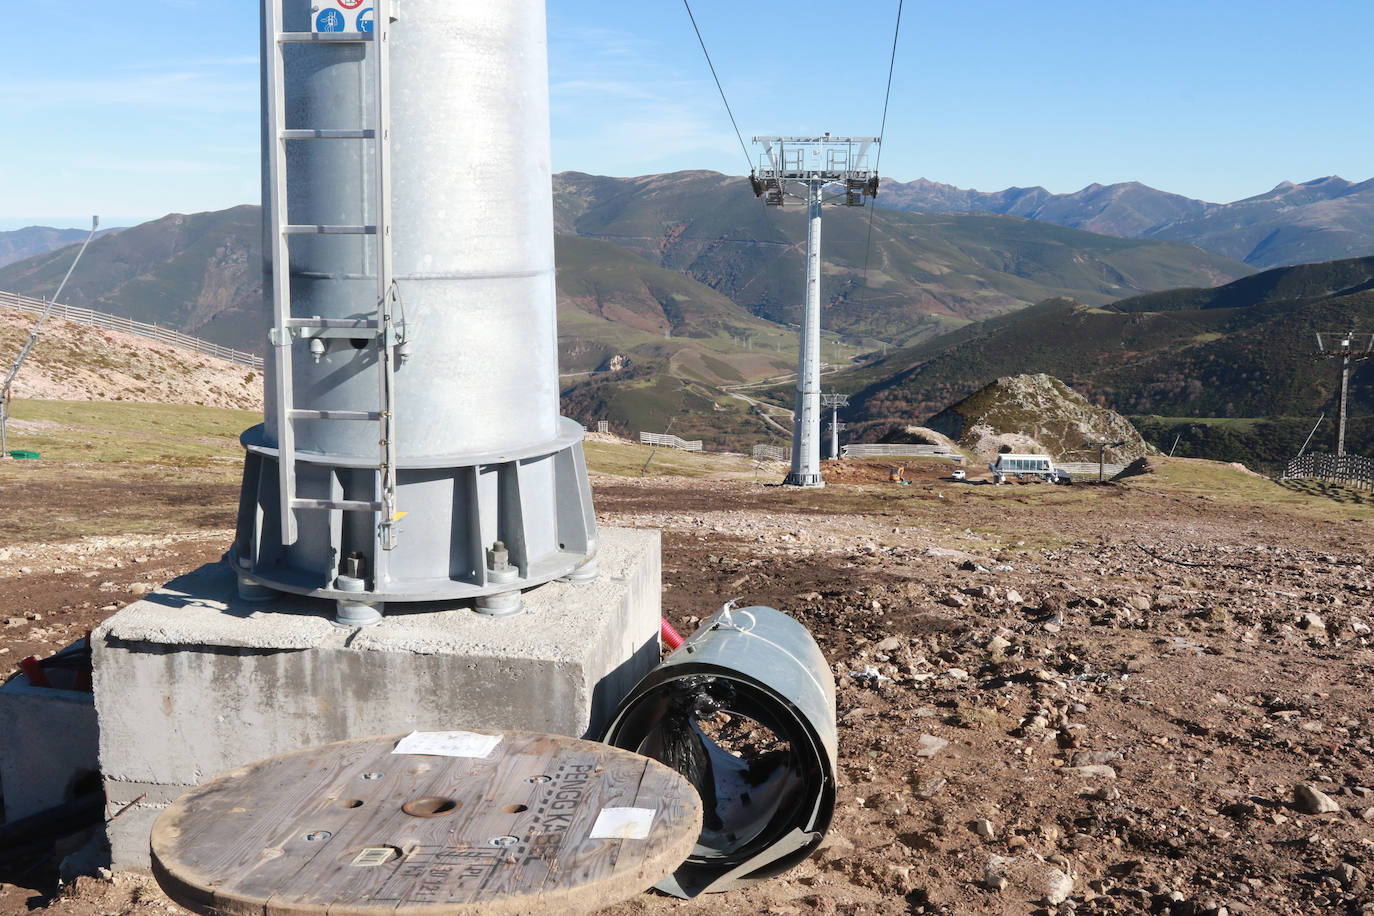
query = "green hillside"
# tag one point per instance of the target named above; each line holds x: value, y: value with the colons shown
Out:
x: 608, y: 282
x: 1327, y: 278
x: 1240, y: 351
x: 927, y: 273
x: 640, y: 345
x: 1264, y: 444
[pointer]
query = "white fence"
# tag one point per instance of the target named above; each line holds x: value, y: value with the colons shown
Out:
x: 129, y: 326
x: 670, y: 441
x: 1350, y: 470
x: 1086, y: 469
x: 898, y: 450
x: 771, y: 453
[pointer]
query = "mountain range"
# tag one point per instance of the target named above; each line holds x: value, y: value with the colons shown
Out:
x: 1320, y: 220
x: 925, y: 274
x: 673, y: 290
x: 892, y: 279
x: 18, y: 244
x: 200, y: 274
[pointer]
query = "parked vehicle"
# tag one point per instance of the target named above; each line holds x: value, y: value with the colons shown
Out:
x: 1026, y: 467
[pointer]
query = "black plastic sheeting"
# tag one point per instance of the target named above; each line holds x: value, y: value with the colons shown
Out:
x: 745, y: 709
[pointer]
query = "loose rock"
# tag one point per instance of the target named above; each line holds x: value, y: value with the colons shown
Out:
x: 1311, y: 800
x: 1027, y: 876
x: 930, y: 745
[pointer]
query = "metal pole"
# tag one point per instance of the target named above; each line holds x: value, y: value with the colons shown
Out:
x: 1308, y: 440
x: 806, y: 451
x: 834, y: 434
x: 1345, y: 386
x: 33, y: 337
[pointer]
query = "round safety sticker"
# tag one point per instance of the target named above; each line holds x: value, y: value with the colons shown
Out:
x: 350, y: 4
x: 365, y: 20
x: 329, y: 21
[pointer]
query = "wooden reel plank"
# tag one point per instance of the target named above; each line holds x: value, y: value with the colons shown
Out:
x: 324, y: 831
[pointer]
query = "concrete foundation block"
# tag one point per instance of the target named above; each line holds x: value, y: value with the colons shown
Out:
x: 47, y: 746
x: 192, y: 681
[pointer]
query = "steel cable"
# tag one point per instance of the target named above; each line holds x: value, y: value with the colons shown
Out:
x: 882, y: 131
x: 721, y: 89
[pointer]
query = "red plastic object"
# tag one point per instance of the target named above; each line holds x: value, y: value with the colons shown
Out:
x: 670, y: 637
x: 34, y: 672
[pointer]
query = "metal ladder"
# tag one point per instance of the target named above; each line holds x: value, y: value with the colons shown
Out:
x: 286, y: 326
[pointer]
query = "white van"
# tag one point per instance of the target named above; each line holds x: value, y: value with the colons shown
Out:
x: 1026, y: 467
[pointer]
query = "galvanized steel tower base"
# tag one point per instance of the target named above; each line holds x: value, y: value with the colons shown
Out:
x: 412, y: 449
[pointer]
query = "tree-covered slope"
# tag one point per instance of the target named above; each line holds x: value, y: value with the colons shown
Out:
x: 1242, y: 351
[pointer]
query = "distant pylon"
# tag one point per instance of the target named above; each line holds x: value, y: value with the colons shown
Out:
x: 1102, y: 445
x: 835, y: 401
x: 814, y: 163
x: 1348, y: 348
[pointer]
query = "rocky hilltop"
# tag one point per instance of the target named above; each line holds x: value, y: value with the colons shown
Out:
x: 1035, y: 413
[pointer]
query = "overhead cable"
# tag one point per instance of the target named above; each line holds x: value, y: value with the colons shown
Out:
x: 702, y: 41
x: 882, y: 131
x: 891, y: 65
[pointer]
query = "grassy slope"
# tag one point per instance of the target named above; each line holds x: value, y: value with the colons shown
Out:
x: 105, y: 448
x: 134, y: 434
x: 140, y: 468
x: 1264, y: 444
x: 626, y: 459
x: 612, y: 301
x: 1238, y: 351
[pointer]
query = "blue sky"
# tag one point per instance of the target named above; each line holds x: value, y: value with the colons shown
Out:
x: 144, y: 107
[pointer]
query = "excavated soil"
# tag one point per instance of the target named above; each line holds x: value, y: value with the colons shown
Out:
x: 1090, y: 700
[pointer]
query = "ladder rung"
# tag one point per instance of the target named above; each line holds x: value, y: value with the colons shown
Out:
x: 323, y: 36
x: 307, y: 229
x: 347, y: 505
x: 362, y: 134
x: 300, y: 414
x: 359, y: 323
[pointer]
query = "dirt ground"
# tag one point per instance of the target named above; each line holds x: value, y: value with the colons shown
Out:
x: 1143, y: 697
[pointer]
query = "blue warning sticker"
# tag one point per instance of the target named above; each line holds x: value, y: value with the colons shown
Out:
x: 365, y: 20
x: 329, y: 20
